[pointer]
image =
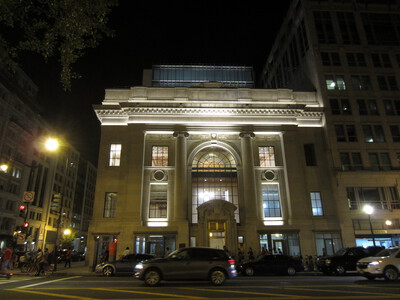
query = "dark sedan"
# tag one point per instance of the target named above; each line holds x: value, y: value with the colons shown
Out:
x: 272, y: 264
x: 123, y: 265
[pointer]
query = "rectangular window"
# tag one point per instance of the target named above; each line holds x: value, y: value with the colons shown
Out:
x: 309, y: 152
x: 267, y: 156
x: 395, y: 131
x: 345, y: 133
x: 110, y: 205
x: 340, y: 106
x: 387, y: 83
x: 351, y: 161
x: 381, y: 60
x: 271, y: 200
x: 335, y: 82
x: 367, y: 107
x: 356, y: 60
x: 379, y: 161
x: 379, y: 197
x: 330, y: 59
x: 115, y: 155
x: 159, y: 156
x: 316, y: 204
x: 158, y: 201
x: 361, y: 82
x: 373, y: 134
x: 348, y: 28
x: 392, y: 107
x: 324, y: 27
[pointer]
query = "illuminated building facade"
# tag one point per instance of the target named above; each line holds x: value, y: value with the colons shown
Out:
x: 349, y: 53
x: 211, y: 166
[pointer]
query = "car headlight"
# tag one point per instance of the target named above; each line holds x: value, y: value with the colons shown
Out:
x: 374, y: 263
x: 139, y: 266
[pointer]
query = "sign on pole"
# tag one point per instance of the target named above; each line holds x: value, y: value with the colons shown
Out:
x: 28, y: 196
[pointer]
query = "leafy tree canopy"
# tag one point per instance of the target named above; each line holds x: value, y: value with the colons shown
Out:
x: 60, y: 29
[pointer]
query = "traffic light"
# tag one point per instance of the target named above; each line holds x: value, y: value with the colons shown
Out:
x: 22, y: 211
x: 56, y: 202
x: 25, y: 225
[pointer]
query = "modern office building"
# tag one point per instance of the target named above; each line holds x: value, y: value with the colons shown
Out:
x: 211, y: 165
x: 348, y: 52
x: 37, y: 187
x: 83, y: 202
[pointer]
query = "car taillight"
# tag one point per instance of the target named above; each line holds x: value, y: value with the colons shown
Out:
x: 231, y: 261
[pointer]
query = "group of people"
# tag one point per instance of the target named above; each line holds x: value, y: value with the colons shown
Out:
x: 40, y: 258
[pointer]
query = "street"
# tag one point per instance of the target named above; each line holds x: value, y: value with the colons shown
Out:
x: 302, y: 286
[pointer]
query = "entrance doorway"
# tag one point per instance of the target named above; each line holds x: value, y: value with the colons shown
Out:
x: 216, y: 233
x: 277, y: 246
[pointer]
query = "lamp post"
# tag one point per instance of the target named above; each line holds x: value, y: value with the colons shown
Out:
x: 368, y: 209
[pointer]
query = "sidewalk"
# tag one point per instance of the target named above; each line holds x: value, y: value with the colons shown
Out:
x: 77, y: 268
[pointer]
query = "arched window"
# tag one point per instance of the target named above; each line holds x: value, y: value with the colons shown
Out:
x: 214, y: 177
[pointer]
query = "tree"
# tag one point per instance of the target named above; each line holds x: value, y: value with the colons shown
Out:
x: 60, y: 29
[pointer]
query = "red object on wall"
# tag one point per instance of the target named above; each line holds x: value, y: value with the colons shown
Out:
x: 111, y: 248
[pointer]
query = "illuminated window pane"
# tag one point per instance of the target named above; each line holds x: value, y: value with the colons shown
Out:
x: 316, y: 204
x: 159, y: 156
x: 158, y: 201
x: 267, y: 156
x: 115, y: 155
x: 271, y: 200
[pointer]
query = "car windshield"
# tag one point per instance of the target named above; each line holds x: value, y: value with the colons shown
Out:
x: 386, y: 252
x: 173, y: 253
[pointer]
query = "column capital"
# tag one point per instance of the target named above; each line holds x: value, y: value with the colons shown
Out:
x: 247, y: 134
x: 181, y: 134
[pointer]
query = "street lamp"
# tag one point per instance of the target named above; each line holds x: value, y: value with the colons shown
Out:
x: 388, y: 222
x: 369, y: 210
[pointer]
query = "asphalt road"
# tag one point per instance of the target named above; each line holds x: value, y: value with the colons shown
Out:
x: 265, y: 287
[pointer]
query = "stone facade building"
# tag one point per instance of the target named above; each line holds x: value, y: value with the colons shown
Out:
x: 210, y: 165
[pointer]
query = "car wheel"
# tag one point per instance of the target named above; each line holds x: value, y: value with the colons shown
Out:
x: 340, y: 270
x: 249, y: 271
x: 152, y: 277
x: 390, y: 273
x: 291, y: 271
x: 217, y: 277
x: 108, y: 271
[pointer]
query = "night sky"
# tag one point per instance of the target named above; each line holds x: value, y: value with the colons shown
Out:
x: 146, y: 33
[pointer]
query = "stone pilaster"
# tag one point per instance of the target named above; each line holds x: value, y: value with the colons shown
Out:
x: 180, y: 188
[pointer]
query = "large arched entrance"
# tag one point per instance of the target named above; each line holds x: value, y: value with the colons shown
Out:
x: 215, y: 196
x: 214, y: 176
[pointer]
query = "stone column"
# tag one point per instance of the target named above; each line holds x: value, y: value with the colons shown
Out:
x: 180, y: 188
x: 249, y: 183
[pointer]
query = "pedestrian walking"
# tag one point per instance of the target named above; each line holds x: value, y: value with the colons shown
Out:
x: 68, y: 258
x: 250, y: 254
x: 39, y: 260
x: 7, y: 257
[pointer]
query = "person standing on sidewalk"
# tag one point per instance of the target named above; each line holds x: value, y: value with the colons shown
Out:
x: 68, y: 258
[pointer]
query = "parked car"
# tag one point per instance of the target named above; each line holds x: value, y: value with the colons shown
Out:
x: 123, y: 265
x: 272, y: 264
x: 385, y: 263
x: 345, y: 259
x: 193, y: 263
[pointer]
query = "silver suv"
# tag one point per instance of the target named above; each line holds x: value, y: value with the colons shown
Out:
x: 385, y: 263
x: 194, y: 263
